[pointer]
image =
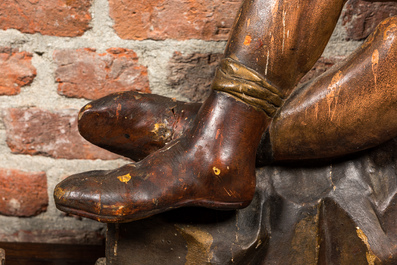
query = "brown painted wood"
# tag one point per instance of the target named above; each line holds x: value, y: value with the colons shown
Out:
x: 51, y: 254
x: 213, y: 163
x: 327, y: 117
x: 349, y: 108
x: 211, y: 166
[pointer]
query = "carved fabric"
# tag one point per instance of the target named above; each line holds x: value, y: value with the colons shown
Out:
x: 249, y: 86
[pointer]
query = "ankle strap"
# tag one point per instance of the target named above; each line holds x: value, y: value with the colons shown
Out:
x: 247, y: 85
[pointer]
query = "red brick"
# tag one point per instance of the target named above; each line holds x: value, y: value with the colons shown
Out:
x: 39, y: 132
x: 322, y: 65
x: 16, y: 70
x: 173, y: 19
x: 64, y: 18
x: 361, y: 17
x: 22, y: 193
x: 83, y: 73
x: 191, y: 74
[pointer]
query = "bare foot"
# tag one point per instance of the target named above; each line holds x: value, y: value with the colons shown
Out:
x: 212, y: 165
x: 134, y: 124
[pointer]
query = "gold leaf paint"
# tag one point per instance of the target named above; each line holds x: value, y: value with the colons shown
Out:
x: 247, y: 40
x: 371, y: 257
x: 216, y: 170
x: 59, y: 193
x: 161, y: 131
x: 306, y: 233
x: 125, y: 178
x: 89, y: 106
x: 199, y: 244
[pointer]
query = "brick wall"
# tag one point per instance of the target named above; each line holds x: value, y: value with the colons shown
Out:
x: 56, y: 55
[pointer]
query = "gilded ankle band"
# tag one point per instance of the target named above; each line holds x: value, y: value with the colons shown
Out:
x: 249, y: 86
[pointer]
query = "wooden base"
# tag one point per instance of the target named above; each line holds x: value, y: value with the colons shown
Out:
x: 2, y: 256
x: 51, y: 254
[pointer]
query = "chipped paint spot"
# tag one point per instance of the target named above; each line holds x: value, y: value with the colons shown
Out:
x: 375, y: 62
x: 237, y: 231
x: 284, y: 14
x: 216, y: 170
x: 306, y: 233
x: 125, y: 178
x: 168, y: 146
x: 138, y: 96
x: 80, y: 115
x: 120, y: 210
x: 258, y: 244
x: 332, y: 97
x: 89, y: 106
x: 316, y: 110
x: 229, y: 192
x: 390, y: 32
x: 330, y: 177
x: 199, y: 244
x: 217, y: 133
x: 375, y: 57
x: 371, y: 257
x: 115, y: 249
x: 247, y: 40
x: 59, y: 192
x: 267, y: 61
x: 117, y: 110
x: 161, y: 131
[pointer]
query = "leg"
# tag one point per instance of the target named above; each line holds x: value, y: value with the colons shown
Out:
x: 288, y: 137
x: 349, y: 108
x: 213, y: 163
x: 283, y: 31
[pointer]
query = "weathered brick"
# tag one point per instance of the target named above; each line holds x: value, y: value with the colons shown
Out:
x: 173, y: 19
x: 84, y: 73
x: 22, y: 193
x: 191, y: 74
x: 16, y: 70
x: 39, y: 132
x: 360, y: 17
x: 322, y: 65
x: 64, y: 18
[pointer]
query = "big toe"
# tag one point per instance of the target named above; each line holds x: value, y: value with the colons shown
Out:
x: 80, y: 192
x: 96, y: 119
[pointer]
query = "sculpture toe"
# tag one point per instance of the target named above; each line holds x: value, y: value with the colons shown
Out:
x: 80, y: 194
x: 134, y: 124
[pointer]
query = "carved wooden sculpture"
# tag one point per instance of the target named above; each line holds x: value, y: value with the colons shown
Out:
x: 213, y: 163
x: 345, y: 110
x: 204, y: 155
